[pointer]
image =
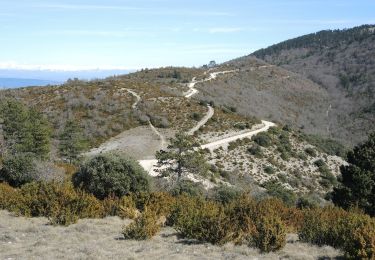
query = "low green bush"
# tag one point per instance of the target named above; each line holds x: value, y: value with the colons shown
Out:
x: 310, y: 151
x: 276, y: 189
x: 18, y: 170
x: 188, y: 187
x: 262, y: 139
x: 269, y: 170
x: 225, y: 194
x: 111, y: 174
x: 255, y: 150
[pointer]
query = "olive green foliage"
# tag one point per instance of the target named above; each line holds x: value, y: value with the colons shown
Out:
x: 202, y: 220
x: 357, y: 185
x: 144, y: 227
x: 354, y: 233
x: 225, y: 194
x: 327, y: 178
x: 183, y: 155
x: 188, y: 187
x: 325, y: 145
x: 72, y: 141
x: 306, y: 203
x: 111, y: 174
x: 9, y: 197
x: 269, y: 170
x: 123, y: 207
x: 262, y: 139
x: 25, y: 130
x: 60, y: 203
x: 255, y: 150
x: 275, y: 189
x: 270, y: 235
x: 18, y: 169
x: 240, y: 221
x: 310, y: 151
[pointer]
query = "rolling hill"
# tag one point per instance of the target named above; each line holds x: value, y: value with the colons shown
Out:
x: 342, y: 62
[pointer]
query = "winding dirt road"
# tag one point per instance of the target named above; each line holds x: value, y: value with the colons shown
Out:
x: 225, y: 141
x: 193, y: 91
x: 138, y: 97
x: 203, y: 121
x: 150, y: 164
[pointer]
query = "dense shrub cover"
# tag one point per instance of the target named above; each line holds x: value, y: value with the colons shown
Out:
x: 202, y: 220
x: 61, y: 203
x: 241, y: 220
x: 111, y: 174
x: 18, y: 170
x: 352, y: 232
x: 25, y: 168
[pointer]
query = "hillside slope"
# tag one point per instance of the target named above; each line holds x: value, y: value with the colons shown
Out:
x: 271, y: 93
x: 341, y: 61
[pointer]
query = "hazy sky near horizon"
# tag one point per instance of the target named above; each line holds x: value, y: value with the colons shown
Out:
x: 108, y: 34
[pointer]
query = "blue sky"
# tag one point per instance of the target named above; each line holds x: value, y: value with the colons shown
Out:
x: 124, y: 34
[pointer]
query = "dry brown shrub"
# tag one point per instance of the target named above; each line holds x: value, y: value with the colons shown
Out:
x: 144, y: 227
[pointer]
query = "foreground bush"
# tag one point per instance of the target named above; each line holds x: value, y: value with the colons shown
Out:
x: 270, y: 235
x: 60, y: 203
x: 354, y: 233
x: 144, y: 227
x: 202, y: 220
x: 9, y: 197
x: 241, y: 221
x: 111, y: 174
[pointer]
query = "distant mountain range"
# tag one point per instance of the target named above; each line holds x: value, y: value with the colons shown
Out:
x: 17, y: 82
x: 13, y: 78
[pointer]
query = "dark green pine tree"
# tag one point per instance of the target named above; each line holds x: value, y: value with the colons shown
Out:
x: 357, y: 187
x: 183, y: 155
x: 72, y: 141
x: 40, y: 133
x: 14, y: 122
x: 25, y: 130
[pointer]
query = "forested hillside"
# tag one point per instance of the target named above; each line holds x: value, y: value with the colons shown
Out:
x: 341, y: 61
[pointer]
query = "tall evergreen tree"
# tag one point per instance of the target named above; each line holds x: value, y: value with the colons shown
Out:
x: 357, y: 187
x: 25, y: 130
x: 183, y: 155
x: 40, y: 132
x: 72, y: 141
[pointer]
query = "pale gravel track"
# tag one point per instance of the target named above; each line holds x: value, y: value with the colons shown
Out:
x: 225, y: 141
x: 150, y: 165
x: 203, y: 121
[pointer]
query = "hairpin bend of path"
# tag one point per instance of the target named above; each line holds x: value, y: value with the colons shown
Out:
x: 150, y: 165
